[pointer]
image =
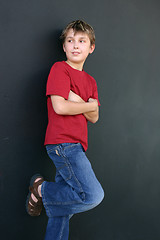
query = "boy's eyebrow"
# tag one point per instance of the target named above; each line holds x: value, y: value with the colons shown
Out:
x: 84, y: 37
x: 69, y: 37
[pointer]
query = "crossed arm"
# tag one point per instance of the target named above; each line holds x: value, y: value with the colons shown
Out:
x: 76, y: 105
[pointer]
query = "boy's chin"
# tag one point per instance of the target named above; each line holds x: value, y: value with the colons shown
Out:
x: 76, y: 61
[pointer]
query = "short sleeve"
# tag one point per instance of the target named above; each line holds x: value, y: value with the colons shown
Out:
x: 95, y: 92
x: 58, y: 82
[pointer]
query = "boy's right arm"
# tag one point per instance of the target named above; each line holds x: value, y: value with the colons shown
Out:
x: 65, y: 107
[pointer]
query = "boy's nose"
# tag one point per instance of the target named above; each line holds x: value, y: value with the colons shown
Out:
x: 75, y: 45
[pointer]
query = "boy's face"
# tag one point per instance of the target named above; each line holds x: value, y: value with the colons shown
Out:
x: 77, y: 47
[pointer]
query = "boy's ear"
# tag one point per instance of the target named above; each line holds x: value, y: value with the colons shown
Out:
x: 92, y: 48
x: 64, y: 49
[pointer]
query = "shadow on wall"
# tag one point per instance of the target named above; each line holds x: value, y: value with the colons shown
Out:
x: 35, y: 107
x: 54, y: 47
x: 31, y: 134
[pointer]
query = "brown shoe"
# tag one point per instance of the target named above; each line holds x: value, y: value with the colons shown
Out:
x: 34, y: 208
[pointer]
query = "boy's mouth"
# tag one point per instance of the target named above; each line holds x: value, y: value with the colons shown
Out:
x: 76, y: 53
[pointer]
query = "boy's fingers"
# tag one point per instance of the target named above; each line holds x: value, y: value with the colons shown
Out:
x: 92, y: 100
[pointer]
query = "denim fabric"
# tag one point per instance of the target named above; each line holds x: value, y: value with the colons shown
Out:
x: 76, y: 188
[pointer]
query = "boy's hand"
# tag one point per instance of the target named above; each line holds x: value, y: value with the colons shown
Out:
x: 93, y: 116
x: 93, y: 100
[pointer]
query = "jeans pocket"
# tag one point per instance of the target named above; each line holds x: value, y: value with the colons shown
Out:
x: 60, y: 161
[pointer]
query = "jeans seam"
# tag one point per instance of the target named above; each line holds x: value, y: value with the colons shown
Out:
x: 62, y: 204
x: 60, y: 151
x: 62, y: 228
x: 43, y: 198
x: 74, y: 176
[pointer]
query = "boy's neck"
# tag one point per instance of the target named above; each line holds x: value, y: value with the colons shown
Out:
x: 77, y: 66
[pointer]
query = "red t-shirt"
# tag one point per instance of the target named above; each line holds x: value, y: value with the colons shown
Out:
x: 67, y: 128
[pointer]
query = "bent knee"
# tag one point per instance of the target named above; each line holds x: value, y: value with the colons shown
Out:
x: 97, y: 196
x: 100, y: 196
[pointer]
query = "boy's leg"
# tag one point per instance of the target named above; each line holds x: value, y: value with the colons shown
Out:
x: 57, y: 228
x: 79, y: 190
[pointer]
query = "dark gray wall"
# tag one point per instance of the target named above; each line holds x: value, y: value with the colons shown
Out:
x: 124, y: 144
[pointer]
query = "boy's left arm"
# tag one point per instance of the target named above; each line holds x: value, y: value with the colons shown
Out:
x: 90, y: 116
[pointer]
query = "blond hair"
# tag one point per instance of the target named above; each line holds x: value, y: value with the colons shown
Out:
x: 79, y: 26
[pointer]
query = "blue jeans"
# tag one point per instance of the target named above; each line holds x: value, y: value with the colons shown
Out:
x: 76, y: 188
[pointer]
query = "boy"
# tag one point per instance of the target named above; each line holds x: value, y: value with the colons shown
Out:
x: 72, y: 102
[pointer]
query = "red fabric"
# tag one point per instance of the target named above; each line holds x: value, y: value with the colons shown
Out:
x: 64, y: 128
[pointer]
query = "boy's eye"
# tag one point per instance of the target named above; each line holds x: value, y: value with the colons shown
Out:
x: 70, y: 40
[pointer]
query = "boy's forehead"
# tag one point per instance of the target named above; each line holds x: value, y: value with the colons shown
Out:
x: 72, y: 33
